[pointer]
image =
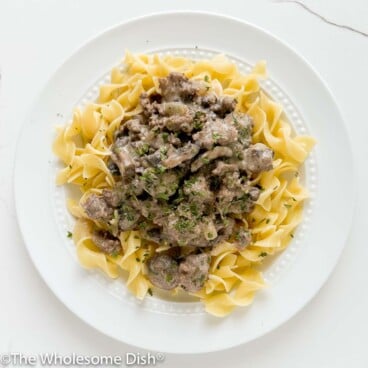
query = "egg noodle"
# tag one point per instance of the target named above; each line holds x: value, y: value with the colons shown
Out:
x: 83, y: 147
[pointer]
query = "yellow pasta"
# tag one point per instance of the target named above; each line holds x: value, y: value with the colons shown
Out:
x: 83, y: 148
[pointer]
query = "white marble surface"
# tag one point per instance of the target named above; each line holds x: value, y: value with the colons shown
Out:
x: 35, y: 36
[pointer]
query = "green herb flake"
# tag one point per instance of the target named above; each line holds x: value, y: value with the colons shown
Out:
x: 205, y: 160
x: 143, y: 149
x: 263, y: 254
x: 168, y: 277
x: 197, y: 123
x: 292, y: 235
x: 268, y: 221
x: 194, y: 209
x: 206, y: 79
x: 160, y: 169
x: 163, y: 196
x: 287, y: 205
x: 183, y: 225
x: 165, y: 136
x: 216, y: 136
x: 188, y: 183
x: 137, y: 259
x: 163, y: 152
x: 293, y: 199
x: 150, y: 291
x: 69, y: 234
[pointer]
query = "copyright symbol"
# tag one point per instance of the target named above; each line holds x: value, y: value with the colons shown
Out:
x: 160, y: 357
x: 5, y: 360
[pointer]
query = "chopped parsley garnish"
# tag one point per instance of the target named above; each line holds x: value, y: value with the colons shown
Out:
x: 197, y: 123
x: 183, y: 224
x: 205, y: 160
x: 188, y: 183
x: 163, y: 152
x: 194, y: 209
x: 160, y: 169
x: 69, y: 234
x: 163, y: 196
x: 169, y: 277
x: 137, y: 259
x: 143, y: 149
x: 263, y: 254
x: 216, y: 136
x: 268, y: 221
x: 148, y: 175
x: 292, y: 235
x: 244, y: 132
x: 287, y: 205
x: 206, y: 79
x: 165, y: 136
x: 150, y: 291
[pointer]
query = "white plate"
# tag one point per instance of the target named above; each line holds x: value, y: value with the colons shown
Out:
x: 164, y: 325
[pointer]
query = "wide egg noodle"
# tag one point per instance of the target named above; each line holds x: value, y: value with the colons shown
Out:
x: 83, y: 148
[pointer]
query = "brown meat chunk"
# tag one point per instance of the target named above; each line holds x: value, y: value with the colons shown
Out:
x: 163, y: 272
x: 222, y: 168
x: 113, y: 197
x: 257, y: 158
x: 197, y: 189
x: 178, y: 156
x: 96, y: 208
x: 224, y: 229
x: 243, y: 124
x: 236, y: 197
x: 177, y: 87
x: 137, y: 130
x: 128, y: 216
x: 216, y: 132
x: 209, y: 156
x: 188, y: 229
x: 149, y: 105
x: 160, y: 184
x: 106, y: 242
x: 223, y: 106
x: 122, y: 156
x: 193, y: 272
